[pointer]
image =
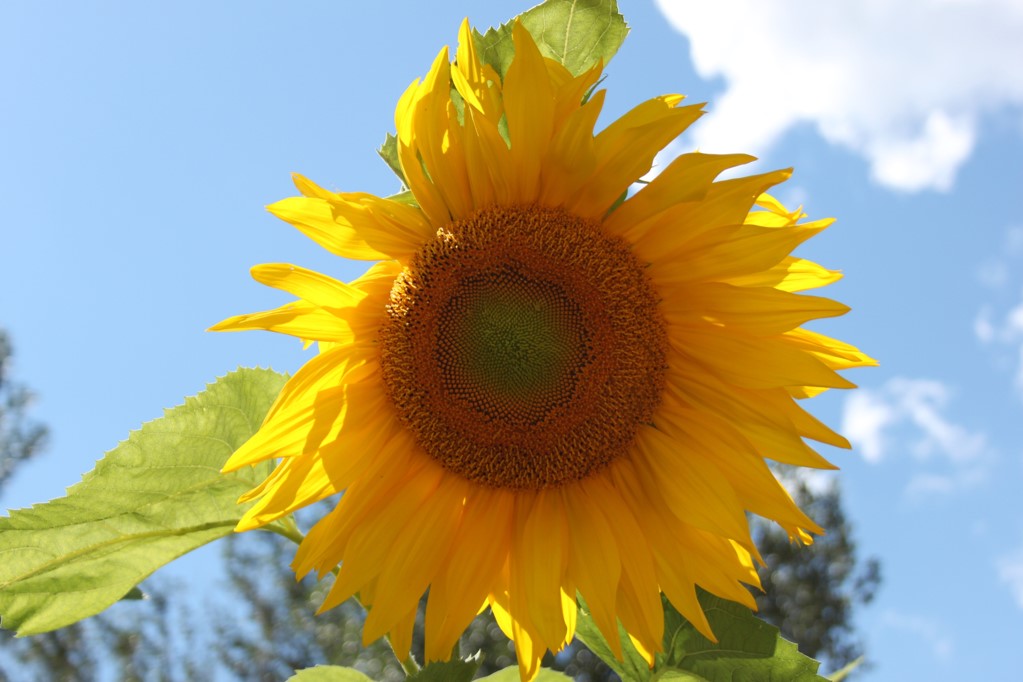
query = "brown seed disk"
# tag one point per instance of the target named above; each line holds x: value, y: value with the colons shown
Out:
x: 523, y: 347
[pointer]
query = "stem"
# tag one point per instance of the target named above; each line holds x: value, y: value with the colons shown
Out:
x: 287, y: 528
x: 409, y: 665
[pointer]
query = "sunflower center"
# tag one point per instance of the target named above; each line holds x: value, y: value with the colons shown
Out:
x: 509, y: 345
x: 523, y: 347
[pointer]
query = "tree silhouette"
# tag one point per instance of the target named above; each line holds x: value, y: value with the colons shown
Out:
x: 810, y: 593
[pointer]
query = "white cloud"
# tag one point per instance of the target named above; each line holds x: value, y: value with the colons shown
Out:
x: 905, y: 84
x: 908, y: 416
x: 925, y: 628
x: 1010, y: 572
x: 1019, y: 370
x: 817, y: 481
x: 994, y: 274
x: 868, y: 414
x: 999, y: 327
x: 1014, y: 241
x: 926, y: 484
x: 1005, y: 332
x: 864, y: 420
x: 983, y: 328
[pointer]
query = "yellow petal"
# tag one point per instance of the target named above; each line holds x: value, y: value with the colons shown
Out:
x: 477, y: 555
x: 371, y: 543
x: 643, y: 615
x: 296, y: 419
x: 792, y: 274
x: 418, y: 551
x: 625, y: 151
x: 675, y: 230
x: 437, y: 138
x: 529, y: 107
x: 770, y: 431
x: 325, y: 544
x: 594, y: 563
x: 699, y: 495
x: 406, y: 117
x: 299, y: 319
x: 314, y: 287
x: 572, y: 155
x: 686, y: 179
x: 477, y: 83
x: 538, y: 563
x: 761, y: 311
x: 358, y: 226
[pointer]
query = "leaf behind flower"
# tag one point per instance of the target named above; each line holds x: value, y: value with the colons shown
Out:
x: 156, y: 496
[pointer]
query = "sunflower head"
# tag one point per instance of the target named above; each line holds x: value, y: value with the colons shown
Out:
x: 548, y: 385
x: 524, y: 347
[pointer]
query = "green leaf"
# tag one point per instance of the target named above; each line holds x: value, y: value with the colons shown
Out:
x: 632, y: 667
x: 389, y: 153
x: 134, y: 594
x: 748, y: 649
x: 447, y: 671
x: 576, y: 33
x: 511, y: 674
x: 154, y: 497
x: 672, y: 675
x: 404, y: 198
x: 329, y: 673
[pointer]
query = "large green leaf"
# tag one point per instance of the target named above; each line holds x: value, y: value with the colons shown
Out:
x: 672, y: 675
x: 632, y: 666
x: 747, y: 648
x: 511, y: 674
x: 576, y: 33
x: 154, y: 497
x: 329, y: 673
x: 447, y: 671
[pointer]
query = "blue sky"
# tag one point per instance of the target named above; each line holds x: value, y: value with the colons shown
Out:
x: 139, y: 143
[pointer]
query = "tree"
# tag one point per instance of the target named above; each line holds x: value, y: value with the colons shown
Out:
x: 270, y: 628
x: 20, y: 438
x: 810, y: 593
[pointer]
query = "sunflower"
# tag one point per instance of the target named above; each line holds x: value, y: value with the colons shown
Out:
x: 542, y: 389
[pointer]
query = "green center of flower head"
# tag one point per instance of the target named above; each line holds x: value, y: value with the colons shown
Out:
x: 510, y: 342
x: 523, y: 347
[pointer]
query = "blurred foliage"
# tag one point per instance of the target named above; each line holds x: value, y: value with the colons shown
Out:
x: 811, y: 593
x: 272, y: 628
x: 20, y: 438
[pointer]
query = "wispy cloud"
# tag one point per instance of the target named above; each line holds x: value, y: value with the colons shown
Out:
x: 998, y: 324
x: 927, y: 629
x: 1010, y: 572
x: 903, y: 84
x: 909, y: 416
